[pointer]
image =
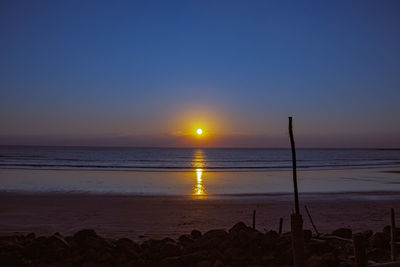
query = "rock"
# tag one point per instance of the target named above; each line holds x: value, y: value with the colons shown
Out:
x: 195, y: 234
x: 192, y: 258
x: 96, y: 243
x: 170, y: 249
x: 207, y: 243
x: 224, y: 244
x: 307, y: 235
x: 210, y: 239
x: 269, y: 239
x: 245, y: 238
x: 343, y: 232
x: 31, y: 236
x: 105, y: 257
x: 387, y: 230
x: 127, y: 246
x: 283, y: 242
x: 284, y: 256
x: 326, y: 260
x: 58, y: 240
x: 379, y: 240
x: 185, y: 240
x: 171, y: 262
x: 218, y: 263
x: 46, y: 249
x: 238, y: 227
x: 82, y: 235
x: 231, y: 253
x: 204, y: 264
x: 367, y: 234
x: 379, y: 255
x: 318, y: 247
x: 216, y: 233
x: 11, y: 259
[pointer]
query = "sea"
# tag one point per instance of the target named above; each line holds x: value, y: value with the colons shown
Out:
x: 194, y: 171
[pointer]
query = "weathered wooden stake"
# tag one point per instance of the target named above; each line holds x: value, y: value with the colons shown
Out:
x: 312, y: 222
x: 254, y: 219
x: 296, y: 193
x: 393, y: 235
x: 280, y: 225
x: 296, y: 222
x: 359, y: 250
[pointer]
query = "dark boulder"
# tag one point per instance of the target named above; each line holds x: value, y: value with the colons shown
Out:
x: 196, y: 234
x: 238, y: 227
x: 170, y: 249
x: 216, y: 233
x: 326, y: 260
x: 343, y: 232
x: 307, y: 235
x: 84, y: 234
x: 379, y: 255
x: 127, y: 246
x: 171, y: 262
x: 269, y: 239
x: 185, y: 240
x: 379, y: 240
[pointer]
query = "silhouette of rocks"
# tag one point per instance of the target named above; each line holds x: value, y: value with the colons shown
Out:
x: 343, y: 232
x: 240, y: 246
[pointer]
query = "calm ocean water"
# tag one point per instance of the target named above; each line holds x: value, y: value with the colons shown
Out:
x: 169, y: 159
x: 195, y: 172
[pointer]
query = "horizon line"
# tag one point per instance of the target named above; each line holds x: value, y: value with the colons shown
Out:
x: 176, y: 147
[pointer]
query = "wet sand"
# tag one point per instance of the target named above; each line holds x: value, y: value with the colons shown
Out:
x: 142, y: 217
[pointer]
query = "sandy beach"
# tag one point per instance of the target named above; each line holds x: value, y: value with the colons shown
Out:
x: 139, y: 217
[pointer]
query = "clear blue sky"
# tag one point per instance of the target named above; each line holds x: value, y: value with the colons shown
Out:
x: 142, y: 73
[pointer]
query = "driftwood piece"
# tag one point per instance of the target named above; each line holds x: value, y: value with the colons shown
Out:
x: 387, y: 264
x: 325, y: 237
x: 312, y: 222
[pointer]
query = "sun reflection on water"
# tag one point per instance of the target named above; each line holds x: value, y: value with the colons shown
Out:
x: 199, y: 163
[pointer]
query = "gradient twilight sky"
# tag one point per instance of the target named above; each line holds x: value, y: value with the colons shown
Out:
x: 148, y: 73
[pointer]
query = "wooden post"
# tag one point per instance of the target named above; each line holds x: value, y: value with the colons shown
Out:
x: 312, y: 222
x: 296, y: 222
x: 296, y: 193
x: 359, y: 250
x: 393, y: 235
x: 280, y: 225
x: 254, y: 219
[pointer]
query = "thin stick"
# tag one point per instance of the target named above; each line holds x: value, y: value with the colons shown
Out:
x: 254, y: 219
x: 296, y: 193
x: 312, y: 222
x: 393, y: 235
x: 280, y: 225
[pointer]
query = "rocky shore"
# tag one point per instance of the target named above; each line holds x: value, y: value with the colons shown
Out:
x: 240, y: 246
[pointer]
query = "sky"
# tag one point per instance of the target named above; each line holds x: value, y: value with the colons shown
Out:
x: 149, y: 73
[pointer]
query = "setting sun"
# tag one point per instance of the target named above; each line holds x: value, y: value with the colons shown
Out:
x: 199, y: 131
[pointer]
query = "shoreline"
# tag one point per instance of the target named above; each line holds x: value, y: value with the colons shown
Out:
x: 198, y: 182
